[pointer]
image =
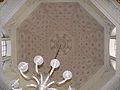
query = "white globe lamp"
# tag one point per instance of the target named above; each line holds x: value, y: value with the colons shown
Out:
x: 38, y: 60
x: 67, y: 75
x: 23, y: 66
x: 54, y: 63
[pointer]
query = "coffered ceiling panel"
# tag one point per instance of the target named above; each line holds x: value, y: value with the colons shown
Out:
x: 68, y: 25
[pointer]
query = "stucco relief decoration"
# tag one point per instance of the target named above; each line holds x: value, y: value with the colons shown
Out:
x: 68, y: 26
x: 61, y: 40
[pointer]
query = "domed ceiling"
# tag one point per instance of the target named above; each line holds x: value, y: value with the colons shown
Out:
x: 68, y: 25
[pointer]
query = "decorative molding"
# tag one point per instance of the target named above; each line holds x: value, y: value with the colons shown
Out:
x: 115, y: 4
x: 109, y: 10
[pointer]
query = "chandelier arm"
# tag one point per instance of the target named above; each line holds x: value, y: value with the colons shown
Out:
x: 51, y: 72
x: 58, y: 83
x: 26, y: 77
x: 62, y: 82
x: 32, y: 85
x: 52, y: 89
x: 35, y: 78
x: 36, y: 69
x: 51, y: 83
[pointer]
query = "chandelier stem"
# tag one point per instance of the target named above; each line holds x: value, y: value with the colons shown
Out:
x: 41, y: 78
x: 57, y: 52
x: 51, y: 72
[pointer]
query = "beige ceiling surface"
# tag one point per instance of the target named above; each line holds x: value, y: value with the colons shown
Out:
x: 69, y: 25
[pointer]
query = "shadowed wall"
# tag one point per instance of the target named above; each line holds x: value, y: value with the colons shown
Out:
x: 4, y: 85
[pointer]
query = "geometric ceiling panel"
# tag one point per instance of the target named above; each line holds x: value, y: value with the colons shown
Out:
x: 68, y: 26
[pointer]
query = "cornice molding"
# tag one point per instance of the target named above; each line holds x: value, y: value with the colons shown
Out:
x: 115, y: 4
x: 109, y: 9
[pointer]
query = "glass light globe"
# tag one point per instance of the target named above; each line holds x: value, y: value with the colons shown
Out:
x: 67, y: 75
x: 23, y: 66
x: 55, y: 63
x: 38, y: 60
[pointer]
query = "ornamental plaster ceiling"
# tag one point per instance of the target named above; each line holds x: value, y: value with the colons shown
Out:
x: 67, y: 24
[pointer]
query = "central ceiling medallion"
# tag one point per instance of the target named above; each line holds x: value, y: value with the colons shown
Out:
x: 61, y: 40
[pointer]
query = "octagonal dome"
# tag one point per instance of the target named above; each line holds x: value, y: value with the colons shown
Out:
x: 68, y: 25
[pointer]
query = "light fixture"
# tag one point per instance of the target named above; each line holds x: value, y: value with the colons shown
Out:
x: 42, y: 84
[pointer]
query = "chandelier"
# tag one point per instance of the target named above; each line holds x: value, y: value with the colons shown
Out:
x: 41, y: 84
